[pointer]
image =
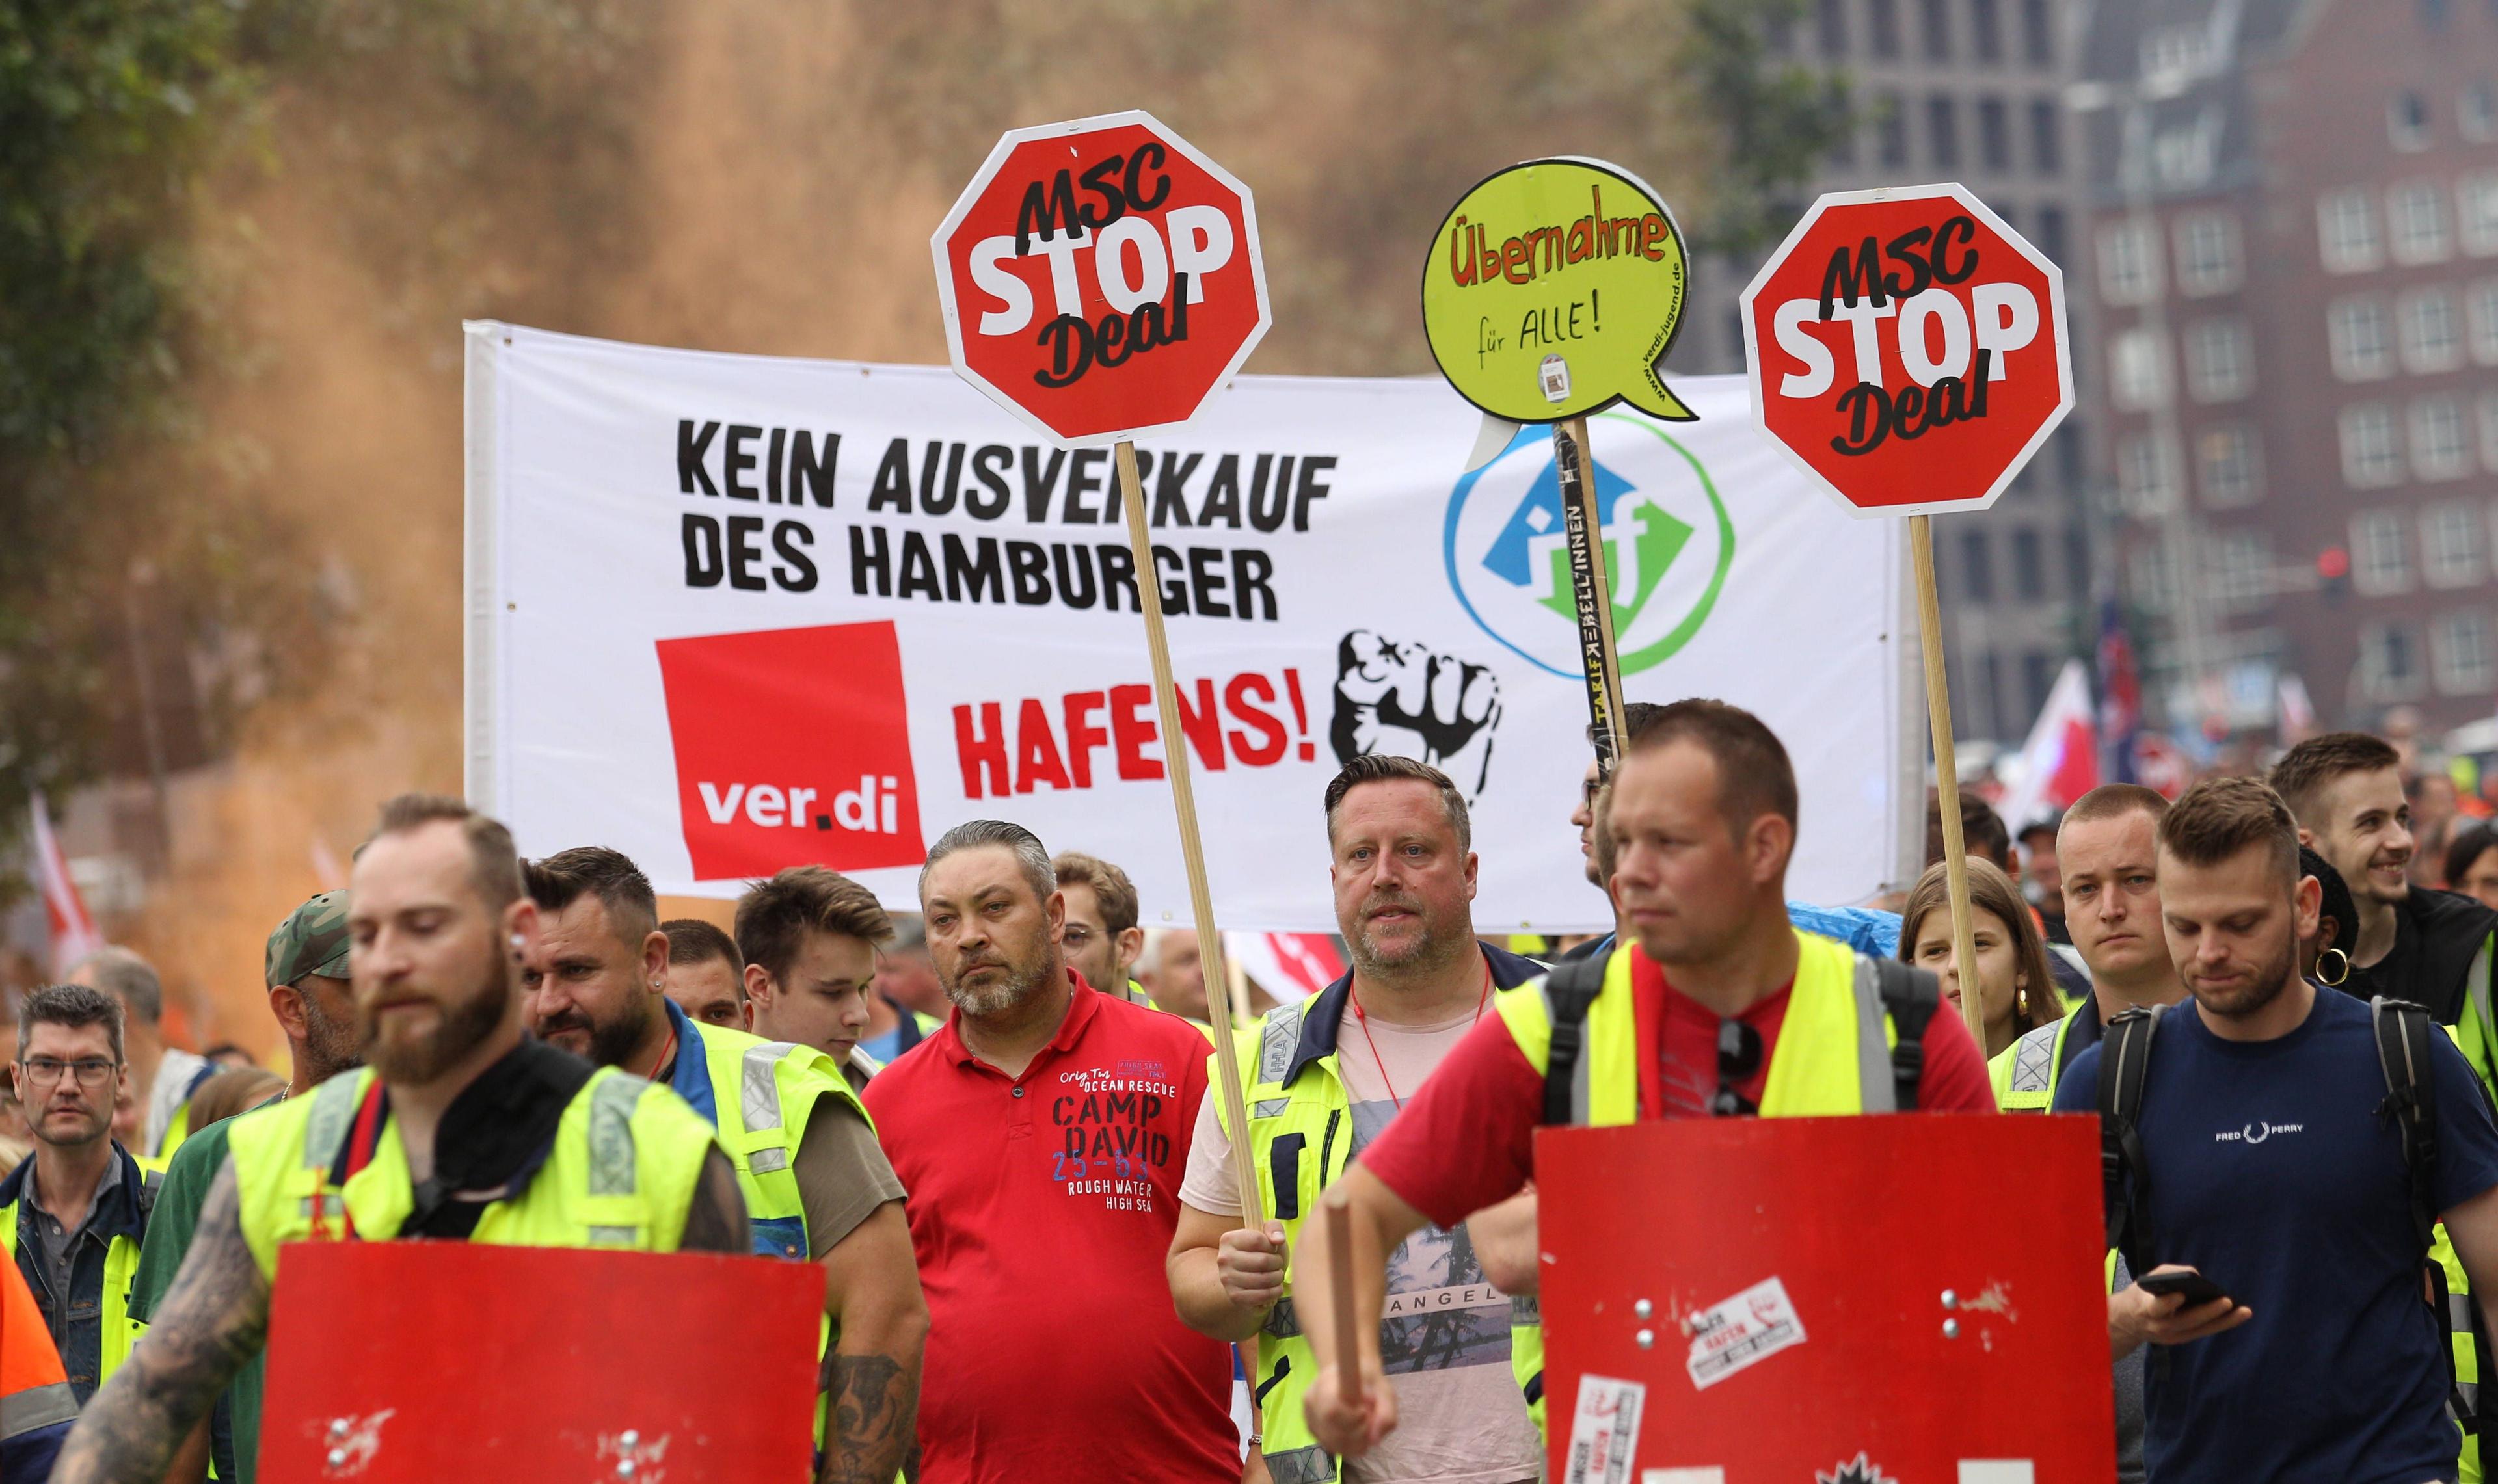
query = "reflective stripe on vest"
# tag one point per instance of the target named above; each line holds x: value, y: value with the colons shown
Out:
x: 1300, y: 1138
x: 622, y: 1173
x: 1833, y: 1057
x: 2023, y: 1073
x: 761, y: 1094
x: 34, y: 1388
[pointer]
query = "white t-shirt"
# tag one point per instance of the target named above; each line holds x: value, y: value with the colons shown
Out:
x: 1445, y: 1341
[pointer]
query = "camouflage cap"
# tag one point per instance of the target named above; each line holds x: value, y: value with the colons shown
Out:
x: 312, y: 941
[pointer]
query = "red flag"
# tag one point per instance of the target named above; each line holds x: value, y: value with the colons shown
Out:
x: 1287, y: 965
x: 2061, y: 760
x: 74, y: 935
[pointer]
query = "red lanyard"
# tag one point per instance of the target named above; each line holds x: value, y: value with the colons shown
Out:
x: 1361, y: 1017
x: 667, y: 1054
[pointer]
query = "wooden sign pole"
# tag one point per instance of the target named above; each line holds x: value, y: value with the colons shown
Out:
x: 1210, y: 942
x: 1929, y: 640
x: 1348, y: 1331
x: 1590, y: 591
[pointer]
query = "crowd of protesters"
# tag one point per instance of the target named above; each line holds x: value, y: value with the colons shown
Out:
x: 990, y: 1122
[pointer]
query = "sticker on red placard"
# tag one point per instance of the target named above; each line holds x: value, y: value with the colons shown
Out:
x: 1604, y: 1429
x: 1741, y: 1332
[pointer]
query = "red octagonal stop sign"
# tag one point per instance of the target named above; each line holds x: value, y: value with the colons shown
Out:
x: 1907, y: 349
x: 1101, y: 277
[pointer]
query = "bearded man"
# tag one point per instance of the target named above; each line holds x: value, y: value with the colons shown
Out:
x: 455, y: 1129
x: 1043, y: 1132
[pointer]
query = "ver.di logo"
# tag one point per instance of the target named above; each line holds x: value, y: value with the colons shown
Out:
x: 1668, y: 543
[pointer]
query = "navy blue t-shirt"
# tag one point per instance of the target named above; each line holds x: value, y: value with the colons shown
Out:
x: 2272, y: 1174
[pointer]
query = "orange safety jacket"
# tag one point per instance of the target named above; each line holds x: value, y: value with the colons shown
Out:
x: 36, y: 1405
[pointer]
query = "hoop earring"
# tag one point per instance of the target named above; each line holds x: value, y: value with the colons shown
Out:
x: 2341, y: 971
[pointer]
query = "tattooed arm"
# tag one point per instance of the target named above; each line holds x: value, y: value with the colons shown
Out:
x: 872, y: 1375
x: 716, y: 1221
x: 214, y: 1318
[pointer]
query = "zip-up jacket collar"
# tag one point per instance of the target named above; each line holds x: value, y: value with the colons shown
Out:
x: 1324, y: 1011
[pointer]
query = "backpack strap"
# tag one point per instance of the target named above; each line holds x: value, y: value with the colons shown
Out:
x: 1910, y: 996
x: 2402, y: 1031
x: 1568, y: 990
x: 2124, y: 1062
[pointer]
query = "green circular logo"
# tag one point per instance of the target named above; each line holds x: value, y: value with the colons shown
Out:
x: 1669, y: 543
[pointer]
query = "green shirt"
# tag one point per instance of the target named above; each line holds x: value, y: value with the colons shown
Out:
x: 233, y: 1444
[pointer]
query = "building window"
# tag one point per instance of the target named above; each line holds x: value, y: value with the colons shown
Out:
x: 2029, y: 565
x: 2154, y: 578
x: 2465, y: 660
x: 2207, y: 253
x: 2137, y: 371
x: 2389, y: 661
x: 2451, y: 545
x: 2355, y: 328
x: 1938, y: 46
x: 2246, y: 570
x: 2219, y: 360
x: 1830, y: 28
x: 2038, y: 34
x: 2483, y: 321
x: 1994, y: 133
x: 2174, y: 56
x: 2440, y: 446
x: 1942, y: 130
x: 2432, y: 331
x: 2476, y: 212
x: 2346, y: 225
x: 2490, y: 430
x: 2145, y: 475
x: 1986, y: 29
x: 2226, y: 469
x: 2416, y: 222
x: 2407, y: 121
x: 2380, y: 560
x: 1882, y: 27
x: 2046, y: 137
x: 1890, y: 130
x: 2184, y: 156
x: 1977, y: 567
x: 2128, y: 262
x: 2371, y: 456
x: 2051, y: 235
x: 2476, y: 113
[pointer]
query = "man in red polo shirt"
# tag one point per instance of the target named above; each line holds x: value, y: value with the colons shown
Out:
x: 1043, y: 1132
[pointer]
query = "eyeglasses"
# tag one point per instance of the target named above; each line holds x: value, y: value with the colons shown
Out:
x: 1738, y: 1056
x: 46, y: 1071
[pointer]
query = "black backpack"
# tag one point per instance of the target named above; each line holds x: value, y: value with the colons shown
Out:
x: 2402, y: 1054
x: 1910, y: 995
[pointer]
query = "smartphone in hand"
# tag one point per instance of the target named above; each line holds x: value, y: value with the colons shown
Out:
x: 2197, y: 1290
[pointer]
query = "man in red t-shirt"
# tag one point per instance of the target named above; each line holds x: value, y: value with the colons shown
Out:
x: 1702, y: 817
x: 1042, y: 1133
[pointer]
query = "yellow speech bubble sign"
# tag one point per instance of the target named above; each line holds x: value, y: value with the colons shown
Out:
x: 1554, y: 288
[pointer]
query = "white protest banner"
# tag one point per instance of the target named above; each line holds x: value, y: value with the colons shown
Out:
x: 729, y: 614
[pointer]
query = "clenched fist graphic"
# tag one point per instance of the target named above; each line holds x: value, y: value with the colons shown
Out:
x: 1402, y: 698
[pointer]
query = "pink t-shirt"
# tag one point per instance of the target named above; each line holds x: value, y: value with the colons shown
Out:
x: 1445, y: 1341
